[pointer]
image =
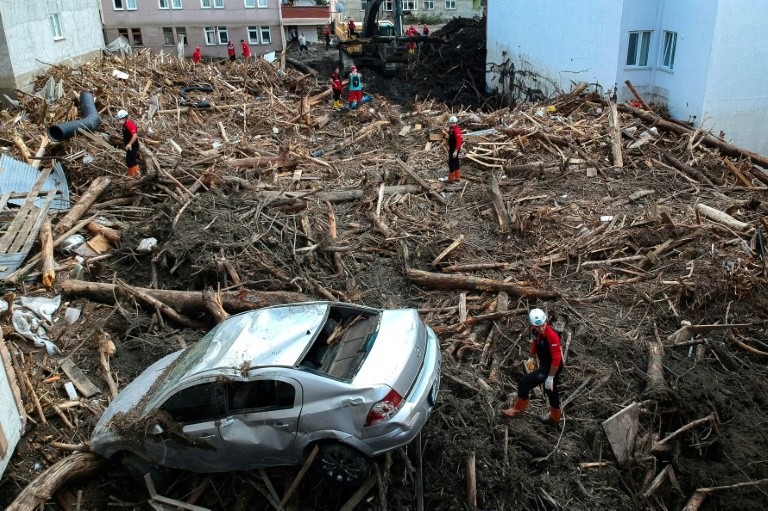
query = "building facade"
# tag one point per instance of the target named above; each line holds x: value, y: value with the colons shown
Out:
x: 705, y: 59
x: 208, y: 24
x: 34, y: 35
x: 443, y: 9
x: 305, y: 17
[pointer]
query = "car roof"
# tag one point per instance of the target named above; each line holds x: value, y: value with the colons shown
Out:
x: 273, y: 336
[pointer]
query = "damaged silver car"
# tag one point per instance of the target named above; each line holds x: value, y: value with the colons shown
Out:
x: 264, y: 387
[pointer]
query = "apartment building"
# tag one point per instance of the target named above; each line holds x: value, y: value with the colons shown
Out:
x: 209, y: 24
x: 444, y: 9
x: 34, y: 35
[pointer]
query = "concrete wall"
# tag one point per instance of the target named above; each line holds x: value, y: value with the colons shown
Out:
x: 736, y: 97
x: 550, y: 44
x: 28, y: 44
x: 193, y: 18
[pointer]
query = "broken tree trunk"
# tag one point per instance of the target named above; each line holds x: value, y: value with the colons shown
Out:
x: 498, y: 204
x: 86, y: 200
x: 185, y: 301
x: 656, y: 384
x: 637, y: 95
x: 45, y: 485
x: 419, y: 180
x: 618, y: 159
x: 722, y: 218
x: 46, y: 253
x: 692, y: 172
x: 455, y: 282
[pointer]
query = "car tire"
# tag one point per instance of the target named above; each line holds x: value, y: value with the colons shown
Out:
x: 341, y: 464
x: 136, y: 467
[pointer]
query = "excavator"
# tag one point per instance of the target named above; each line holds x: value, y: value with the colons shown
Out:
x: 380, y: 43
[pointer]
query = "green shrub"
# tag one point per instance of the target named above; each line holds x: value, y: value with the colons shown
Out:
x: 420, y: 18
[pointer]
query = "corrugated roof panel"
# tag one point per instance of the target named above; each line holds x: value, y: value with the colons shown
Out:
x: 19, y: 177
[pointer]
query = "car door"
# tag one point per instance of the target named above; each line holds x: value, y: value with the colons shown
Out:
x: 261, y: 423
x: 192, y: 441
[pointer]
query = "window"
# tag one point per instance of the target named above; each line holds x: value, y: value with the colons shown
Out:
x: 199, y: 403
x: 205, y: 4
x: 637, y: 50
x: 56, y: 26
x: 223, y: 35
x: 218, y: 4
x: 162, y: 4
x: 410, y: 5
x: 450, y: 4
x: 250, y: 4
x: 176, y: 4
x: 260, y: 395
x: 429, y: 5
x: 123, y: 32
x: 210, y: 35
x: 670, y: 45
x: 130, y: 5
x: 168, y: 36
x: 136, y: 34
x: 266, y: 35
x: 253, y: 35
x: 118, y: 4
x: 262, y: 4
x: 388, y: 5
x: 181, y: 35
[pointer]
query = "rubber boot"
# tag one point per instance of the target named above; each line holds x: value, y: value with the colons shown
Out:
x: 552, y: 418
x: 451, y: 176
x: 133, y: 171
x: 516, y: 411
x: 457, y: 175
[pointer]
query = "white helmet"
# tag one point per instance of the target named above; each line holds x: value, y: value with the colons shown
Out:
x: 453, y: 119
x: 121, y: 114
x: 537, y: 317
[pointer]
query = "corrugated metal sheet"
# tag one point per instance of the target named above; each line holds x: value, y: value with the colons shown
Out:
x: 19, y: 177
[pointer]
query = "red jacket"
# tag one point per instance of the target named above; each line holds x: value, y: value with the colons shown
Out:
x: 196, y: 56
x: 336, y: 82
x: 231, y: 49
x: 454, y: 139
x: 551, y: 357
x: 246, y: 50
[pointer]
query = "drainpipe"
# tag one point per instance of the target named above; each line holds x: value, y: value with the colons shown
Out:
x: 89, y: 120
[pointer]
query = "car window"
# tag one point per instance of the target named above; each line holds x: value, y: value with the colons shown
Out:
x: 198, y: 403
x: 260, y: 395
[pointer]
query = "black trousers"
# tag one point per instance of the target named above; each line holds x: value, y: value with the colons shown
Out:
x: 536, y: 378
x: 132, y: 155
x: 453, y: 163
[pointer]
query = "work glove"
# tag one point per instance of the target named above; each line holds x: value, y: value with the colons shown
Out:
x: 530, y: 364
x: 549, y: 383
x: 455, y: 154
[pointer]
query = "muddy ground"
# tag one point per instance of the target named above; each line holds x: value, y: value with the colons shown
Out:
x: 610, y: 312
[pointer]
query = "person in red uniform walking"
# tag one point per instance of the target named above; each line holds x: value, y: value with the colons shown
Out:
x: 231, y: 50
x: 454, y: 146
x: 131, y: 142
x: 351, y: 27
x: 196, y: 55
x: 425, y: 30
x: 336, y: 87
x: 546, y: 346
x: 246, y: 49
x: 411, y: 32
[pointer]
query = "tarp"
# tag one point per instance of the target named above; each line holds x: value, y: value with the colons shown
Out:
x: 119, y: 46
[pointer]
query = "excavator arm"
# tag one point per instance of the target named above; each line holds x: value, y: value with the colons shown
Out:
x: 372, y: 13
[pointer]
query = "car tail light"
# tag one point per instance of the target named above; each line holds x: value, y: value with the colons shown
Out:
x: 384, y: 409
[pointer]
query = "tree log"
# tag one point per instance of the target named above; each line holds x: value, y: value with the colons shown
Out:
x: 86, y: 200
x: 419, y: 180
x: 618, y: 159
x: 637, y: 95
x: 695, y: 174
x: 456, y: 282
x: 46, y: 253
x: 498, y: 204
x: 45, y: 485
x: 108, y: 233
x: 722, y: 218
x: 188, y: 302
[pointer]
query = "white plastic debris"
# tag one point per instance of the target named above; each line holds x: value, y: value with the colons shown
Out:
x: 119, y: 74
x: 72, y: 315
x: 606, y: 218
x: 146, y: 245
x: 42, y: 306
x: 71, y: 392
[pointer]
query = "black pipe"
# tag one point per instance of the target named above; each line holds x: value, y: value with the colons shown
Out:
x: 198, y: 104
x: 89, y: 119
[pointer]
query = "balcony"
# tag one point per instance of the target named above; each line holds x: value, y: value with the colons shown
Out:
x: 306, y: 15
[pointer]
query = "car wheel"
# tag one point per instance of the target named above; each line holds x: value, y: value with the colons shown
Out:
x: 342, y: 464
x: 137, y: 467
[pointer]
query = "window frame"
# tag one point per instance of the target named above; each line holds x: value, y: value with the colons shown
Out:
x: 413, y: 3
x: 56, y: 28
x: 179, y: 32
x: 124, y: 32
x: 134, y: 31
x: 121, y: 7
x: 166, y: 32
x: 216, y: 412
x: 225, y: 31
x: 429, y: 5
x: 218, y: 6
x: 273, y: 389
x: 451, y: 2
x: 160, y: 4
x: 253, y: 30
x: 388, y: 5
x: 251, y: 2
x: 203, y: 4
x: 642, y: 47
x: 668, y: 50
x: 128, y: 5
x: 177, y: 4
x: 210, y: 31
x: 269, y: 33
x: 262, y: 4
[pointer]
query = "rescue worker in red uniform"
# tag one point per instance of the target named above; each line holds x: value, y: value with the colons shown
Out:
x: 337, y: 87
x: 351, y: 27
x: 231, y: 50
x: 454, y: 146
x: 246, y: 49
x: 546, y: 346
x: 131, y: 142
x: 196, y: 55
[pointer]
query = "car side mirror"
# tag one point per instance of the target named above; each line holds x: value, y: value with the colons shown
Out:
x: 156, y: 429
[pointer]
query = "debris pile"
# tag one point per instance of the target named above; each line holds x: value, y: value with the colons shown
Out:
x: 644, y: 241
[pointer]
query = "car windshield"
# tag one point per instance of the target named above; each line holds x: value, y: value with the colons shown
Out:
x: 185, y: 362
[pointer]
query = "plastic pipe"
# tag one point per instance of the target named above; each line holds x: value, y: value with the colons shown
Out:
x: 89, y: 119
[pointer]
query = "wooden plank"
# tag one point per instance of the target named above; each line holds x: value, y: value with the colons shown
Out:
x: 621, y: 430
x: 32, y: 226
x: 10, y: 234
x: 4, y: 200
x: 81, y: 381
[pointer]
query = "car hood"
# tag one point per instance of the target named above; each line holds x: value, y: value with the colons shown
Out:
x: 397, y: 353
x: 133, y: 393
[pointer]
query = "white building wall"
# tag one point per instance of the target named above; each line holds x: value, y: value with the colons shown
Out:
x: 553, y: 43
x: 736, y: 96
x: 29, y: 38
